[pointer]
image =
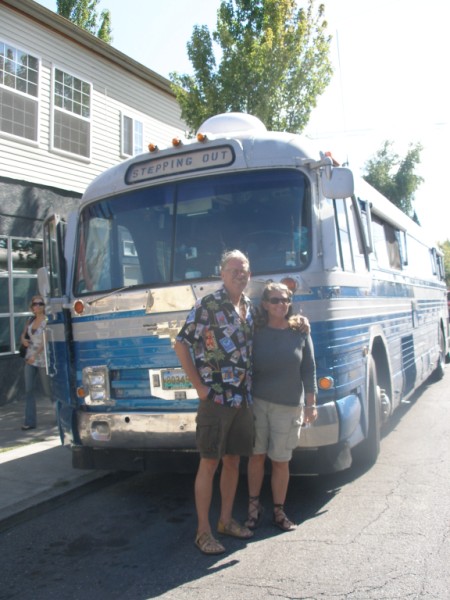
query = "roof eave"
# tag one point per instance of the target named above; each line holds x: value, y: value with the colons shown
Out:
x: 67, y: 29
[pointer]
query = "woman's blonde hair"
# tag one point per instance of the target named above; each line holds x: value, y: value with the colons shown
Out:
x: 262, y: 316
x: 37, y: 298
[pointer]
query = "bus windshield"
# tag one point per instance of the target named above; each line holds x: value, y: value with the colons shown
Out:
x: 177, y: 231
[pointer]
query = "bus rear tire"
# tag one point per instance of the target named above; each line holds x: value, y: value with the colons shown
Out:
x: 366, y: 452
x: 439, y: 371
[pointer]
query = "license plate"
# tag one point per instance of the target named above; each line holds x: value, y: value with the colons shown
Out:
x: 175, y: 379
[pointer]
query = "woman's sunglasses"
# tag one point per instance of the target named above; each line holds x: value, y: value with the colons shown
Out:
x: 278, y: 300
x: 37, y: 304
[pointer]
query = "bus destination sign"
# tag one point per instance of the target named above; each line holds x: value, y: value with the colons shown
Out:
x: 184, y: 162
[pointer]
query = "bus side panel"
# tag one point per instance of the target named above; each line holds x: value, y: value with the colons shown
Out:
x: 346, y: 328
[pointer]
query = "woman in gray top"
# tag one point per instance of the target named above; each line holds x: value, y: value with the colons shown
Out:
x: 284, y: 390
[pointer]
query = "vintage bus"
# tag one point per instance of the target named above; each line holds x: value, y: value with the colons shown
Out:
x: 121, y: 275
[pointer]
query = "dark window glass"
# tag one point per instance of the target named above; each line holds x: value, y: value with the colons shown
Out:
x: 4, y: 295
x: 5, y: 335
x: 171, y: 233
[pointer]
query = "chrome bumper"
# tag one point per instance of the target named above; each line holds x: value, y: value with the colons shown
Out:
x: 137, y: 430
x: 336, y: 422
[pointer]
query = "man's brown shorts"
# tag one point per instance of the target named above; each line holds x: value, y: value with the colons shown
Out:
x: 224, y: 430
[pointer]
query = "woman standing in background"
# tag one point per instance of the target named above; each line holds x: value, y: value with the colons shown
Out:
x: 33, y: 339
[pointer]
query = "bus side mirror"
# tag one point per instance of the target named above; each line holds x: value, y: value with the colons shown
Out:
x: 337, y: 182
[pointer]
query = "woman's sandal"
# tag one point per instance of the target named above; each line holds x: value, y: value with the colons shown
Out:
x: 234, y: 529
x: 280, y: 519
x: 255, y: 513
x: 208, y: 544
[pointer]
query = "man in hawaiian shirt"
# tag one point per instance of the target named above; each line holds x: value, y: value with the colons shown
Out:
x: 219, y: 331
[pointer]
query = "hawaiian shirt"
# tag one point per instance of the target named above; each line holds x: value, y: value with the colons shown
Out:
x: 221, y: 343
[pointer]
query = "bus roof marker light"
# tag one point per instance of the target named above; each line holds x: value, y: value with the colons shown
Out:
x: 335, y: 162
x: 153, y: 147
x: 176, y: 142
x: 202, y: 137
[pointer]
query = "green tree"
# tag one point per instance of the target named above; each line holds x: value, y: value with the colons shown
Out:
x: 274, y: 63
x: 84, y: 14
x: 445, y: 247
x: 394, y: 177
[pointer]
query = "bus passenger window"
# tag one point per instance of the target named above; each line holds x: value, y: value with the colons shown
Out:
x: 386, y: 244
x: 343, y: 229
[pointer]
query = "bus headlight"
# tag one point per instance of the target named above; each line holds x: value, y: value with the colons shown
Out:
x: 96, y: 385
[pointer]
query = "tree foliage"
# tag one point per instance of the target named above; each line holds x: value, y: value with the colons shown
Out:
x: 274, y: 63
x: 394, y: 177
x: 84, y: 14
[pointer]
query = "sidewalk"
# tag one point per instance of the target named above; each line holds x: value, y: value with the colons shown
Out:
x: 34, y: 467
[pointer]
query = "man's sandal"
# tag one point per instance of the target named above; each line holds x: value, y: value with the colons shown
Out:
x: 255, y: 513
x: 280, y: 519
x: 208, y: 544
x: 234, y: 529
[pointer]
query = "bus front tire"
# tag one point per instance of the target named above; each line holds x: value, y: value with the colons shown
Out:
x: 366, y: 452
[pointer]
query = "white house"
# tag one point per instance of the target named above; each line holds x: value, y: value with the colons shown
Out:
x: 70, y: 107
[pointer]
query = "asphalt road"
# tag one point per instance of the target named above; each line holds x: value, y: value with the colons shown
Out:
x: 378, y: 534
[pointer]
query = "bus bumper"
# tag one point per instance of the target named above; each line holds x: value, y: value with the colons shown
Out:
x: 336, y: 422
x: 325, y: 447
x: 164, y: 442
x: 137, y: 430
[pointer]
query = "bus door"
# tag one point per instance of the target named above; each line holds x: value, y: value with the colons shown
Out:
x: 58, y: 331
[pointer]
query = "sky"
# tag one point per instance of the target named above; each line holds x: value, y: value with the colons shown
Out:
x: 390, y: 82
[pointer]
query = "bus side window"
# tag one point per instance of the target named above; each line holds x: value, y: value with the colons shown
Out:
x: 437, y: 264
x: 345, y: 248
x: 419, y: 258
x: 441, y: 267
x: 351, y: 250
x: 54, y: 230
x: 357, y: 244
x: 403, y: 247
x: 386, y: 244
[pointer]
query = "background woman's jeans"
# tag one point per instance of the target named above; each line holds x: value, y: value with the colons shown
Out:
x: 30, y: 374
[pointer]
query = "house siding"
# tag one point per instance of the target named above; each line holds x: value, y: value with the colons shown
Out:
x: 114, y: 91
x: 37, y: 180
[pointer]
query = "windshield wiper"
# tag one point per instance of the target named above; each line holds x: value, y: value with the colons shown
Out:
x: 122, y: 289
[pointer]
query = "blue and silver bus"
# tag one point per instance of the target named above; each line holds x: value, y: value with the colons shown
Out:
x: 122, y: 273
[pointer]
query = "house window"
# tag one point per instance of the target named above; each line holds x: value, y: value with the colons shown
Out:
x: 72, y: 114
x: 132, y: 136
x: 19, y: 90
x: 20, y: 259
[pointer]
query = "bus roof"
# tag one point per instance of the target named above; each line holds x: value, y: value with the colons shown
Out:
x: 252, y: 145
